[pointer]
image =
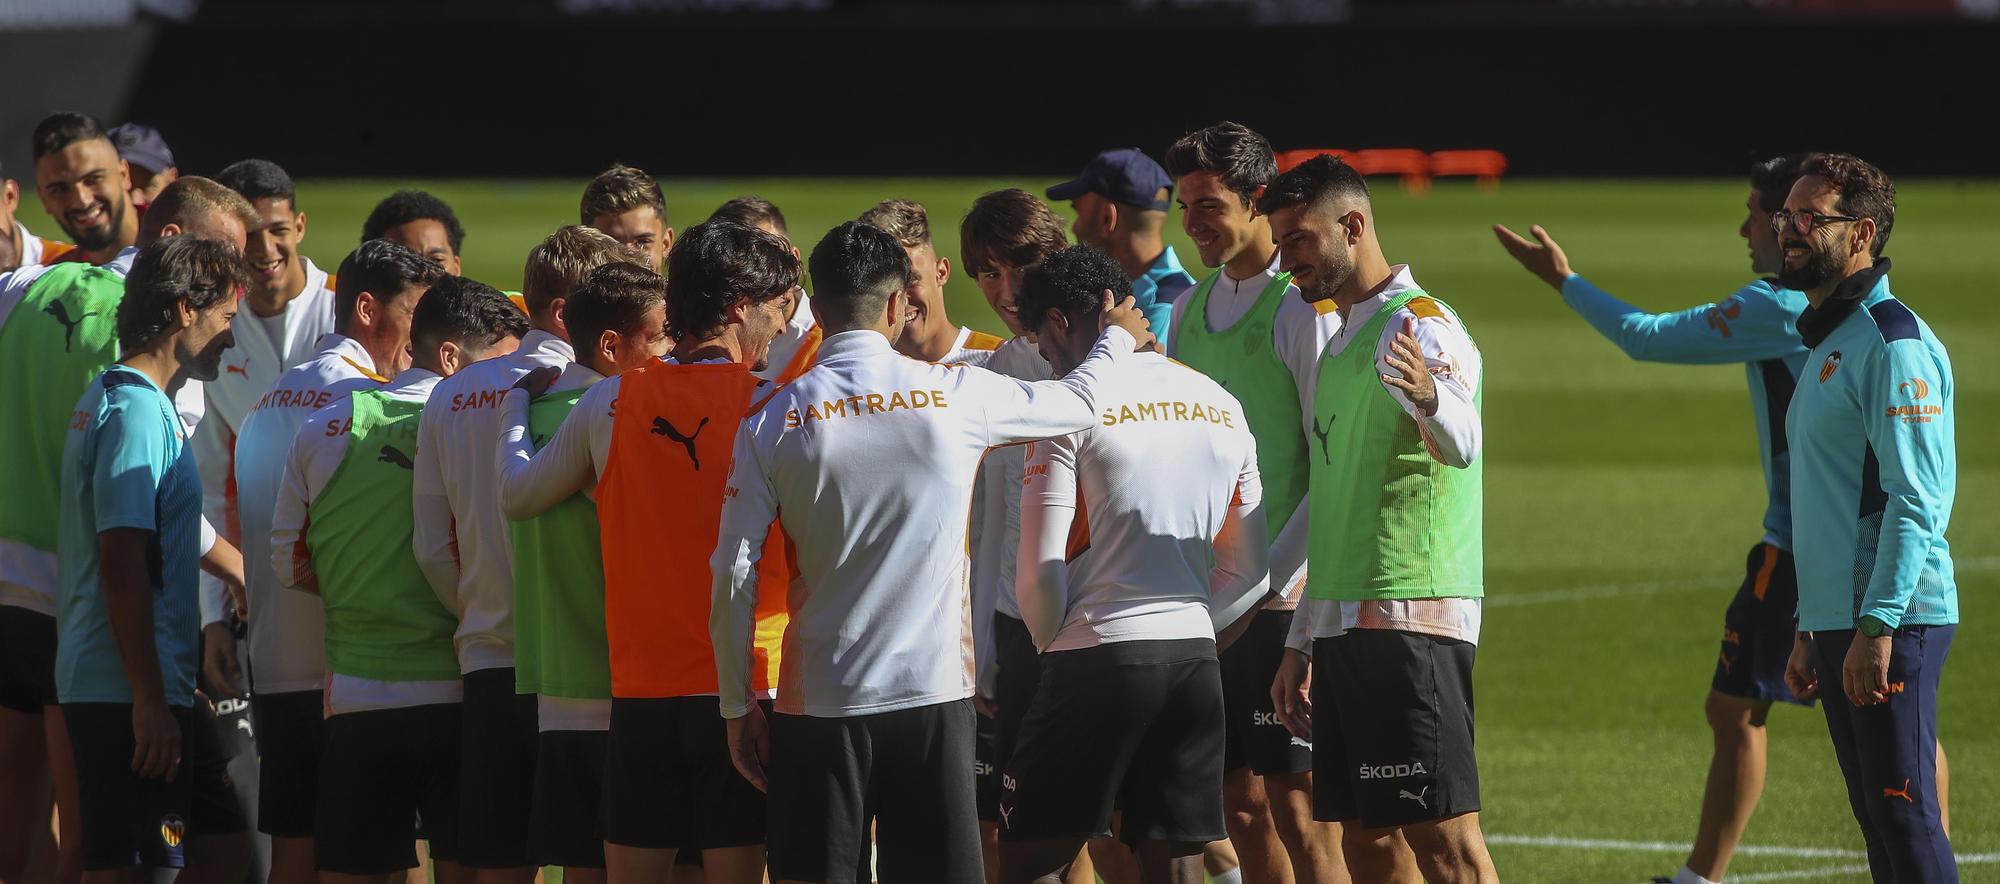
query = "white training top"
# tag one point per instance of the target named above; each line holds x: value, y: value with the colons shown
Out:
x: 1299, y: 334
x: 249, y: 367
x: 27, y: 574
x: 462, y: 541
x: 287, y: 650
x: 34, y: 249
x: 1155, y: 557
x: 1454, y: 436
x: 789, y: 339
x: 314, y: 456
x: 871, y: 456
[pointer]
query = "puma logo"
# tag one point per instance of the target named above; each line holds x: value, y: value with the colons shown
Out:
x: 1324, y: 455
x: 238, y: 369
x: 1418, y: 797
x: 662, y: 428
x: 391, y: 454
x: 61, y: 313
x: 1903, y: 793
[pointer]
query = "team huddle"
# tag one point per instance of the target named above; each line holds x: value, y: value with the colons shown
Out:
x: 662, y: 569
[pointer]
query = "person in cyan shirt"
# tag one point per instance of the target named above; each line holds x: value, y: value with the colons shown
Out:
x: 1874, y: 472
x: 130, y: 545
x: 1121, y: 200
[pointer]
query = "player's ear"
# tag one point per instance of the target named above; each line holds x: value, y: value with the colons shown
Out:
x: 943, y: 270
x: 666, y: 240
x: 450, y: 357
x: 1256, y: 195
x: 607, y: 345
x: 367, y: 308
x: 556, y: 310
x: 299, y: 222
x: 1864, y: 236
x: 171, y: 229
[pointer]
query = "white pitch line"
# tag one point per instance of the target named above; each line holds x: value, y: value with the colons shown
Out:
x: 1799, y: 875
x: 1672, y: 847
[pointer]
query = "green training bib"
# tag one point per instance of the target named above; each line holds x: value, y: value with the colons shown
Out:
x: 559, y: 643
x: 62, y: 334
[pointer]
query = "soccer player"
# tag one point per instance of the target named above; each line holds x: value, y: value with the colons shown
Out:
x: 340, y: 530
x: 18, y: 247
x: 793, y: 350
x: 288, y: 307
x: 150, y: 160
x: 1121, y: 201
x: 625, y: 204
x: 421, y: 223
x: 617, y: 316
x: 376, y: 293
x: 131, y: 541
x: 1122, y: 600
x: 57, y: 333
x: 1394, y: 582
x: 875, y: 695
x: 85, y: 186
x: 1756, y: 326
x: 1246, y: 326
x: 462, y: 542
x: 648, y: 443
x: 1874, y: 471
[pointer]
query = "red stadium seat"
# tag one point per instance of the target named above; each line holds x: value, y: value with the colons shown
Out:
x: 1288, y: 159
x: 1485, y: 166
x: 1412, y: 166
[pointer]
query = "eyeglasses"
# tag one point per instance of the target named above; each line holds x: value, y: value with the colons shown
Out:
x: 1805, y: 222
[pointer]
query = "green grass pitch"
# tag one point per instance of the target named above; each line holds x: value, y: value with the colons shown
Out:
x: 1622, y: 495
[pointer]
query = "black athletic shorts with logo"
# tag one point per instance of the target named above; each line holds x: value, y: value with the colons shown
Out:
x: 1135, y: 726
x: 1255, y: 735
x: 1392, y: 728
x: 668, y: 780
x: 1018, y: 670
x: 291, y: 728
x: 388, y: 777
x: 569, y: 797
x: 128, y: 820
x: 908, y: 771
x: 496, y: 780
x: 1757, y: 631
x: 27, y: 659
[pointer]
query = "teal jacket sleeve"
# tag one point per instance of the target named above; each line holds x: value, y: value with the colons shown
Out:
x: 1905, y: 400
x: 1755, y: 323
x: 1160, y: 318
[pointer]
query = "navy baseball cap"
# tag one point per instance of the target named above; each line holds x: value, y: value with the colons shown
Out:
x: 1124, y: 176
x: 142, y: 145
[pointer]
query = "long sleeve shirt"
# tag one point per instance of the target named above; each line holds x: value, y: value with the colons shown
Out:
x: 1874, y: 463
x: 1107, y: 553
x: 462, y: 541
x: 1453, y: 435
x: 871, y: 456
x: 1757, y: 326
x: 1298, y: 336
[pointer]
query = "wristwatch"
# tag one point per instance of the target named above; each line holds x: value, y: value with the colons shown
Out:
x: 1873, y: 628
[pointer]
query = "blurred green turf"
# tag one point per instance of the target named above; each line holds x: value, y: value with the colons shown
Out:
x: 1636, y: 483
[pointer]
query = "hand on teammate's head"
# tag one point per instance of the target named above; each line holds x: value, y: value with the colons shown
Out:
x: 1126, y: 314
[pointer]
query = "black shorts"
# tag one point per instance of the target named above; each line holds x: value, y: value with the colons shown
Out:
x: 388, y: 777
x: 220, y: 805
x: 27, y: 659
x: 127, y: 820
x: 290, y: 729
x: 908, y: 771
x: 668, y: 780
x: 496, y: 771
x: 1392, y: 728
x: 1757, y: 631
x: 1019, y: 669
x: 985, y: 771
x: 1135, y: 726
x: 1255, y: 736
x: 569, y: 783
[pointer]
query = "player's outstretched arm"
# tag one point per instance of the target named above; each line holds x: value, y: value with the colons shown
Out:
x: 1543, y: 257
x: 1023, y: 411
x: 533, y: 482
x: 1041, y: 564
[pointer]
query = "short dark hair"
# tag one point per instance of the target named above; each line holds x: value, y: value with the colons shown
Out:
x: 257, y: 180
x: 613, y: 297
x: 472, y: 313
x: 1010, y: 226
x: 1235, y: 152
x: 751, y: 211
x: 59, y: 130
x: 1072, y: 281
x: 1323, y: 177
x: 618, y: 190
x: 382, y: 268
x: 716, y: 262
x: 170, y: 272
x: 855, y: 269
x: 905, y: 220
x: 404, y: 206
x: 1865, y: 191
